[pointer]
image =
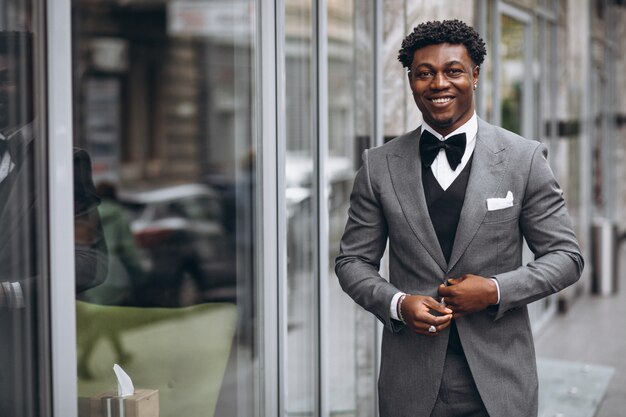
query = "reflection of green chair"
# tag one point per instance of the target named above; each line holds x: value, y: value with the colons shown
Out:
x: 182, y: 352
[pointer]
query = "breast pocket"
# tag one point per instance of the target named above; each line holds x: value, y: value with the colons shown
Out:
x: 504, y: 215
x: 496, y: 247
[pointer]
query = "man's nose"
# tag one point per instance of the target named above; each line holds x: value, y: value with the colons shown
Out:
x: 439, y: 81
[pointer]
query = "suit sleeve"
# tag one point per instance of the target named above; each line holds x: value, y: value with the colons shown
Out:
x: 362, y: 246
x: 547, y: 228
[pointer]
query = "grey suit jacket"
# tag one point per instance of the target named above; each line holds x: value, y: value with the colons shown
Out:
x: 387, y: 202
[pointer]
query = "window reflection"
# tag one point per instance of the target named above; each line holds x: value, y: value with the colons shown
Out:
x: 22, y: 271
x: 512, y: 74
x: 351, y: 339
x: 24, y: 283
x: 164, y: 105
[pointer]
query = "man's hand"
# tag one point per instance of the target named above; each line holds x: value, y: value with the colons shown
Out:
x: 469, y: 294
x: 417, y: 313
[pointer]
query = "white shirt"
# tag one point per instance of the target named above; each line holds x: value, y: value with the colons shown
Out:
x: 440, y: 167
x: 445, y: 176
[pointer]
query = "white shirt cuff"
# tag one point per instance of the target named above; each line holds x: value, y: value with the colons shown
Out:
x: 498, y: 287
x: 393, y: 308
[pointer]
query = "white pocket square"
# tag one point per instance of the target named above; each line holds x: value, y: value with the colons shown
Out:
x: 500, y: 203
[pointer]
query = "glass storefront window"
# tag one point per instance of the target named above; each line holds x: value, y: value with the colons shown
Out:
x: 164, y: 103
x: 351, y: 339
x: 512, y: 73
x: 24, y: 275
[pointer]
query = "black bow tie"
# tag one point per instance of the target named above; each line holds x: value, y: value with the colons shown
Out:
x: 430, y: 147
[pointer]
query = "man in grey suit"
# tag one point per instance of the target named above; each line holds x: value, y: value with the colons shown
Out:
x: 455, y: 198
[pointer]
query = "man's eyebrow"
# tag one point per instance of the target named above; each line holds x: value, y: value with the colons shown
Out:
x: 423, y: 64
x: 446, y: 64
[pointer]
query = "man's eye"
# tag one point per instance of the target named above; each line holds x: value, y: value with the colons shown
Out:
x: 454, y: 72
x: 424, y: 74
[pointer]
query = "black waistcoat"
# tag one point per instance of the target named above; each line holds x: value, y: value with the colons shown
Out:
x: 444, y: 208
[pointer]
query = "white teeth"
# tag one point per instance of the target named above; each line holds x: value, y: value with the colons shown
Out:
x: 441, y: 100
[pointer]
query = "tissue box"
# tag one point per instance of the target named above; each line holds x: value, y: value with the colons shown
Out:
x: 143, y: 403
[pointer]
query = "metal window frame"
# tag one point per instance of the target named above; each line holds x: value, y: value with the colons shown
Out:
x: 378, y: 140
x: 269, y: 227
x: 61, y: 223
x: 552, y: 62
x: 585, y: 143
x: 608, y: 117
x: 41, y: 173
x: 378, y: 65
x: 480, y: 7
x: 320, y: 129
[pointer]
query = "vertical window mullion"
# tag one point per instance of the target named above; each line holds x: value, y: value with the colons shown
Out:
x: 268, y: 231
x: 279, y: 150
x: 61, y: 231
x: 321, y: 87
x: 378, y: 94
x: 377, y: 140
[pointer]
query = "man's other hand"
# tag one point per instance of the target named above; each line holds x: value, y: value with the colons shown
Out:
x: 469, y: 294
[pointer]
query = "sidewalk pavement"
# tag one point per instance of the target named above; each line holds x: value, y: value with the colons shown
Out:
x: 582, y: 355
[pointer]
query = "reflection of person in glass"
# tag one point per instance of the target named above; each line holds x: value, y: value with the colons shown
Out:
x: 125, y: 275
x: 20, y: 210
x: 456, y: 198
x: 124, y: 279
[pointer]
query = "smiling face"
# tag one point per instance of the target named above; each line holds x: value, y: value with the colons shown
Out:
x: 442, y: 79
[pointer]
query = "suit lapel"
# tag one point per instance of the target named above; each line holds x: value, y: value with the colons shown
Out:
x: 487, y: 171
x: 405, y: 169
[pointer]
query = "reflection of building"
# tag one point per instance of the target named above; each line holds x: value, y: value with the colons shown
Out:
x: 174, y: 96
x: 268, y: 105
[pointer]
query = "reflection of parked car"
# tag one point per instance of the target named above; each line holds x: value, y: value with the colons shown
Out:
x: 180, y: 233
x: 299, y: 181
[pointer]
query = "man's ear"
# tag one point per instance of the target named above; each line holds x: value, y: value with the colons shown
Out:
x: 476, y: 72
x: 409, y: 76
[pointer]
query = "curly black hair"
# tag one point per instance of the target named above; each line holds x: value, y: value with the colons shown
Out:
x: 446, y: 31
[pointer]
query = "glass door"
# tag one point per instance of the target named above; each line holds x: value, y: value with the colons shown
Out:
x: 165, y: 101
